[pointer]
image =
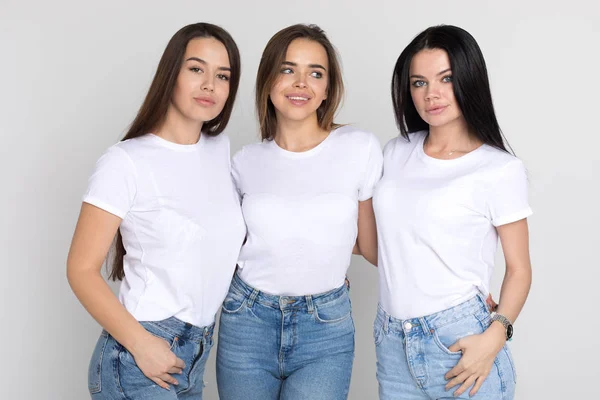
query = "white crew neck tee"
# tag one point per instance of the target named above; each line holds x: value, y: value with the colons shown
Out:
x: 436, y: 223
x: 301, y: 210
x: 182, y: 225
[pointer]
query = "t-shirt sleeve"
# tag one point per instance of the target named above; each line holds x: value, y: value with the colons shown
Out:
x: 508, y: 201
x: 373, y: 170
x: 235, y: 173
x: 112, y: 185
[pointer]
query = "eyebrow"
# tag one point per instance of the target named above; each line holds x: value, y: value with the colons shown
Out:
x: 439, y: 73
x: 201, y: 61
x: 293, y: 64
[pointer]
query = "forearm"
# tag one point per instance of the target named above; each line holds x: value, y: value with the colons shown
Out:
x: 98, y: 299
x: 513, y: 294
x: 367, y: 247
x: 367, y: 231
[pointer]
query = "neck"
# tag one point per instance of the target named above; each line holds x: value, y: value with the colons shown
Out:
x: 178, y: 129
x: 299, y: 135
x: 451, y: 137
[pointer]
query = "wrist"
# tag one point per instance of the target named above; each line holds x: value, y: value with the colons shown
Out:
x: 505, y: 322
x: 498, y: 332
x: 138, y: 341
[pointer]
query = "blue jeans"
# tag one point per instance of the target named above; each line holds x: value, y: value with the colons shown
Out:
x: 114, y: 375
x: 413, y: 355
x: 284, y: 347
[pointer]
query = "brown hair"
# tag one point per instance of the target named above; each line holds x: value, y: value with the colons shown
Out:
x: 268, y: 72
x: 154, y: 108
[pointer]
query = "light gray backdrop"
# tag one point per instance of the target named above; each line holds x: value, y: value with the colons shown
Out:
x: 73, y: 74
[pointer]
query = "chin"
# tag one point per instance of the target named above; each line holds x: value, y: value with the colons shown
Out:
x: 204, y: 117
x: 437, y: 122
x: 296, y: 115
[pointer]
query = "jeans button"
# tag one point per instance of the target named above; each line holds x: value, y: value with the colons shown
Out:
x: 407, y: 326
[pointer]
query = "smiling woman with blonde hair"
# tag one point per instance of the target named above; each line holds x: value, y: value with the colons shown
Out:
x: 286, y: 329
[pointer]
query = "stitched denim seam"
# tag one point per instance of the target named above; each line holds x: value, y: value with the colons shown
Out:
x: 194, y: 365
x: 237, y: 310
x: 443, y: 348
x: 116, y: 368
x: 455, y: 318
x: 330, y: 321
x: 411, y: 364
x: 98, y: 388
x: 511, y: 362
x: 163, y: 329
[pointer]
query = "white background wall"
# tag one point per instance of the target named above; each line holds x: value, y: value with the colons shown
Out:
x: 73, y: 74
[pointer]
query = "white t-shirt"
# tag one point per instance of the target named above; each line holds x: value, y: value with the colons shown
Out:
x: 436, y: 223
x: 182, y: 225
x: 301, y: 210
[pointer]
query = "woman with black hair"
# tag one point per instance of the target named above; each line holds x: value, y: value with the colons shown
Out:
x: 450, y: 189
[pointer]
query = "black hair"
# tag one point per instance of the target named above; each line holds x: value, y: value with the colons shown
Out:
x: 470, y: 82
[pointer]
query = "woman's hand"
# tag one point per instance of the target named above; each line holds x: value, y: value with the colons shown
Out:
x: 491, y: 304
x: 154, y: 357
x: 479, y: 353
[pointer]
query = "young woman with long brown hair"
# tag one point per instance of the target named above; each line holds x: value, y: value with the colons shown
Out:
x: 165, y: 191
x: 286, y: 330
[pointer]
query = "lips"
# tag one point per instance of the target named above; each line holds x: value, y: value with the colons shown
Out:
x: 298, y: 99
x: 206, y: 101
x: 436, y: 109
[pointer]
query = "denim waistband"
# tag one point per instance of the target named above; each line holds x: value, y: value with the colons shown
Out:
x: 181, y: 329
x: 286, y: 302
x: 433, y: 321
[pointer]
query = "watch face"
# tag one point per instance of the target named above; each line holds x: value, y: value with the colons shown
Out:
x: 509, y: 332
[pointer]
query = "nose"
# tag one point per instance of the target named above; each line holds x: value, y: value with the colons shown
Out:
x: 209, y: 83
x: 300, y: 83
x: 432, y: 92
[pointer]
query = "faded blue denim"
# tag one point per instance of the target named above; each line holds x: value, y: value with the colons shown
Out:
x: 113, y: 374
x: 284, y: 347
x: 413, y: 355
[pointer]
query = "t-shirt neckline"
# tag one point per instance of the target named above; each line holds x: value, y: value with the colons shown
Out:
x: 303, y: 154
x: 176, y: 146
x: 440, y: 162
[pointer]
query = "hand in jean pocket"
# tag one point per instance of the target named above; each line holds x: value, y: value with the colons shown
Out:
x: 478, y: 355
x: 154, y: 358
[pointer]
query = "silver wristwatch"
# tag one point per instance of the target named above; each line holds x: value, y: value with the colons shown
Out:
x: 504, y: 321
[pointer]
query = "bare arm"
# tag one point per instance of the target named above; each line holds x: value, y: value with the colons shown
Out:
x: 480, y: 351
x: 517, y: 278
x: 93, y: 236
x: 366, y: 243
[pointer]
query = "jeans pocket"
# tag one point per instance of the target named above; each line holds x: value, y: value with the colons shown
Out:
x: 155, y: 329
x: 95, y: 367
x: 445, y: 336
x: 233, y: 303
x: 337, y: 310
x: 378, y: 333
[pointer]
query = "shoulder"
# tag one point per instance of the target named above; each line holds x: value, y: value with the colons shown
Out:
x: 400, y: 143
x: 356, y: 136
x: 220, y: 140
x: 138, y: 147
x: 498, y: 160
x: 118, y: 155
x: 251, y: 151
